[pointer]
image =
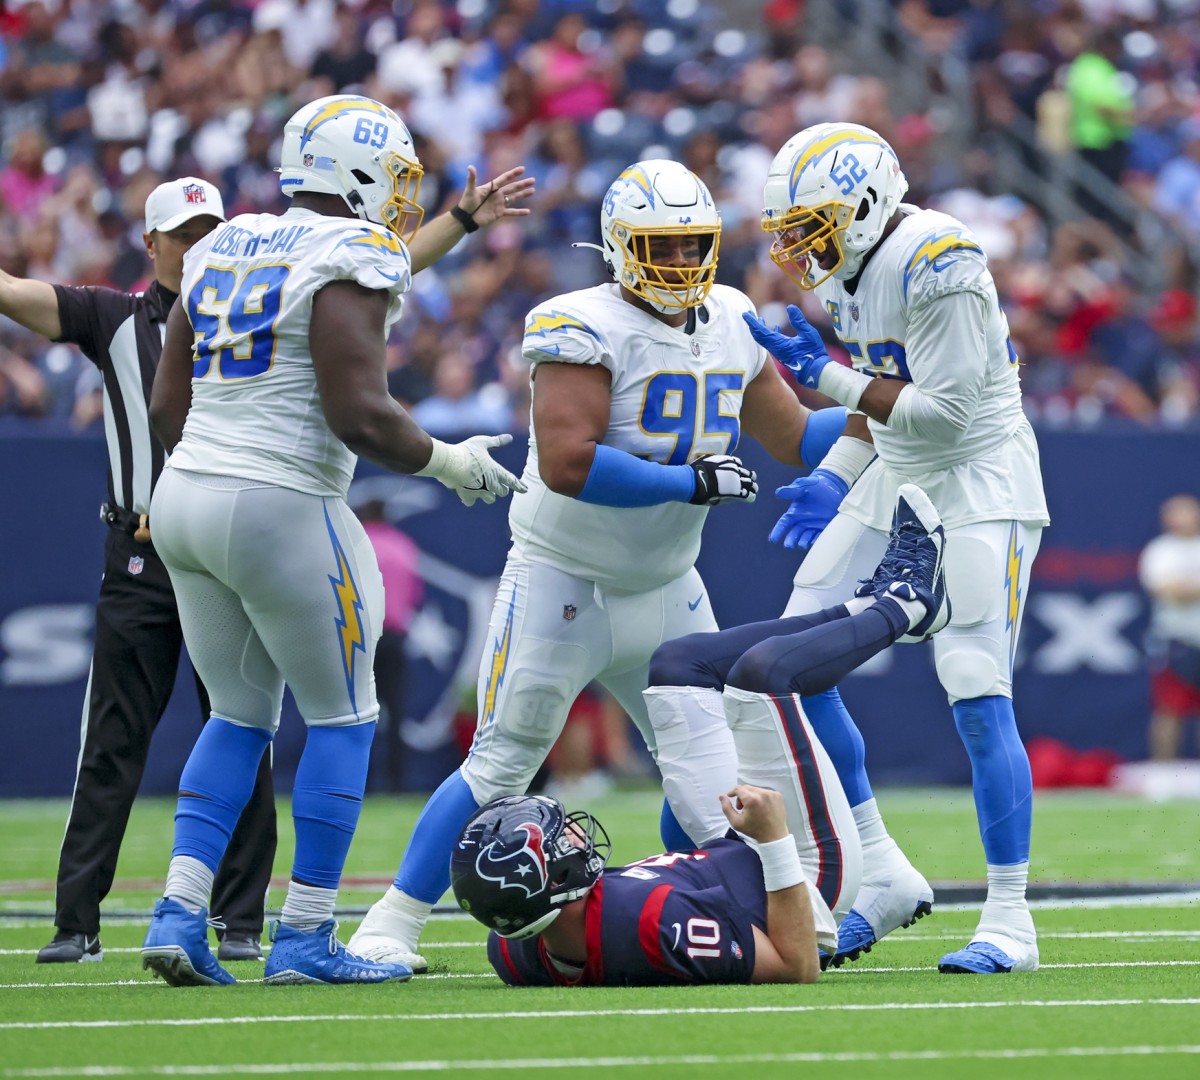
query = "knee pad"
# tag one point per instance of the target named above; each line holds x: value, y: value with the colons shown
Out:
x: 967, y: 673
x: 510, y: 749
x: 675, y: 663
x: 756, y: 670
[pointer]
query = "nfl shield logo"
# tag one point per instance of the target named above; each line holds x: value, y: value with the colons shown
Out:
x: 308, y: 160
x: 695, y: 347
x: 569, y: 612
x: 136, y: 563
x: 854, y: 310
x: 194, y: 193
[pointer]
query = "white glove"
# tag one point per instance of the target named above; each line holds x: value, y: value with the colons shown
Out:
x: 467, y: 469
x: 721, y: 478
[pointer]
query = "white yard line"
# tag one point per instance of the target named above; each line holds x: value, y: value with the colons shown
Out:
x: 850, y: 969
x: 574, y: 1014
x: 646, y: 1062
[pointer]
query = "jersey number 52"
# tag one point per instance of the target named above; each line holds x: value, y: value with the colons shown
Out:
x: 233, y: 315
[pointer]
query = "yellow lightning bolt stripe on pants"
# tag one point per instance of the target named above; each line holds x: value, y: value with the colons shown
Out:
x: 1012, y: 583
x: 349, y: 617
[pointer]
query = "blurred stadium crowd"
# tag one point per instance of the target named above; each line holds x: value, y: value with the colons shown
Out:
x: 101, y: 101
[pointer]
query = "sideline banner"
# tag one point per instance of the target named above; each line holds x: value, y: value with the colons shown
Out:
x: 1080, y: 669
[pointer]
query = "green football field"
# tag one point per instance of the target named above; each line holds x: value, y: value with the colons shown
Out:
x: 1118, y: 994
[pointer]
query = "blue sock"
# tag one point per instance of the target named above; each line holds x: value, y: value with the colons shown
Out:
x: 218, y: 779
x: 327, y: 799
x: 1000, y: 777
x: 424, y: 872
x: 843, y: 742
x: 673, y: 836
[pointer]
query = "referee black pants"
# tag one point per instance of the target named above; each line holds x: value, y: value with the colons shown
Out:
x: 138, y: 640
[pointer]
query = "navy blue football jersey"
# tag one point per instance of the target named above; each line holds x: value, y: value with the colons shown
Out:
x: 686, y: 917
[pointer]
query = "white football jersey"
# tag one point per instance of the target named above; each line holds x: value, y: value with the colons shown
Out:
x: 675, y: 396
x: 888, y: 326
x: 248, y: 289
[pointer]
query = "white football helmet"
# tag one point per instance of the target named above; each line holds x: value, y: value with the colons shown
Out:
x: 653, y: 199
x: 833, y: 184
x: 359, y: 149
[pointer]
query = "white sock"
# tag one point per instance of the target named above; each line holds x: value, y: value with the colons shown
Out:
x: 404, y: 916
x: 190, y: 882
x: 696, y: 755
x: 1005, y: 915
x: 880, y: 851
x: 914, y: 609
x: 306, y: 907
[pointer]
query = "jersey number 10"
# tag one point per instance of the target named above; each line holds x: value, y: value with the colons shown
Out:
x: 233, y: 316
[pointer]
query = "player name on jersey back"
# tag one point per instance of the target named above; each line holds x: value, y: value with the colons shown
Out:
x: 248, y: 292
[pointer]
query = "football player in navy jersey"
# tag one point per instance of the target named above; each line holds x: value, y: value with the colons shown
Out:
x: 724, y: 914
x: 756, y: 904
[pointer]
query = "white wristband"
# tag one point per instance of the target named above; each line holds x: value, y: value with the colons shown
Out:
x: 437, y: 459
x: 781, y: 864
x: 843, y: 384
x: 847, y: 458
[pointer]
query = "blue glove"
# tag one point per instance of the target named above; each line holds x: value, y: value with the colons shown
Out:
x: 803, y: 355
x: 815, y: 501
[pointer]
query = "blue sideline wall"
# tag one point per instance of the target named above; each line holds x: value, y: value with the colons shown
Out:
x: 1080, y: 670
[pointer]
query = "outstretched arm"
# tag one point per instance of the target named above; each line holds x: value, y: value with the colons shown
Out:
x: 480, y: 205
x: 34, y: 304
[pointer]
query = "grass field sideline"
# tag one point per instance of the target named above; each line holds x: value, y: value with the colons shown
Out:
x: 1118, y: 995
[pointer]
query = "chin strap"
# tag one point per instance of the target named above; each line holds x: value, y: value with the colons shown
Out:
x: 585, y: 244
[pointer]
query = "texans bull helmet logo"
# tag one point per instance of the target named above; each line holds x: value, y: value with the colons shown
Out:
x: 523, y: 869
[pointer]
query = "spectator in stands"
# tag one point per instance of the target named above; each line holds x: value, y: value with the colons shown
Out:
x: 568, y: 82
x: 1177, y: 192
x: 1101, y: 112
x: 1170, y: 572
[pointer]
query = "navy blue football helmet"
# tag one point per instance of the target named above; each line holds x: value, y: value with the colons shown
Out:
x: 520, y: 858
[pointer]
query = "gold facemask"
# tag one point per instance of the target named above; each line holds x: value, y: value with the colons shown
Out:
x: 804, y: 232
x: 402, y: 213
x: 672, y: 287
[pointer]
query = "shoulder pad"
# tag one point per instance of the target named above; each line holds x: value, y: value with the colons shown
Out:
x: 558, y: 333
x: 945, y: 257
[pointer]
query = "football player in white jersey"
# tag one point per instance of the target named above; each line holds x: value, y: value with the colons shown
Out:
x: 641, y: 391
x: 909, y: 294
x: 272, y: 379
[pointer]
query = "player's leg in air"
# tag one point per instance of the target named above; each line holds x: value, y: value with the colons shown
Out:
x: 987, y: 568
x: 302, y: 603
x: 528, y: 679
x: 685, y: 681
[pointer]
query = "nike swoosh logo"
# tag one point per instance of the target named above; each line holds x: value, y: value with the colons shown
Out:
x: 693, y: 604
x: 386, y: 274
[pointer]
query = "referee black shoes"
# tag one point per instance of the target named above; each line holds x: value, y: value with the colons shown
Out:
x: 69, y: 948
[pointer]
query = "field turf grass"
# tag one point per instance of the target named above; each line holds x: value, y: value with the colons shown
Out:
x: 1118, y: 994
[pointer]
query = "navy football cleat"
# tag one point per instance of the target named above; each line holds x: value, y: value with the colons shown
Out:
x: 176, y: 948
x: 913, y: 567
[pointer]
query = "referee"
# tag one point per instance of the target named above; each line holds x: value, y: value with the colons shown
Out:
x: 138, y: 636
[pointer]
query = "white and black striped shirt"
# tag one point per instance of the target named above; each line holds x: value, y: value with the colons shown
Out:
x: 122, y: 334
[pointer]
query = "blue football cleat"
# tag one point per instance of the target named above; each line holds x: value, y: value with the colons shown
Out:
x: 318, y: 957
x: 856, y: 937
x: 978, y: 958
x: 176, y: 948
x: 913, y: 564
